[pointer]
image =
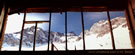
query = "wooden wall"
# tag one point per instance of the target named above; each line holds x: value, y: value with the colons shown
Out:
x: 3, y: 22
x: 130, y: 15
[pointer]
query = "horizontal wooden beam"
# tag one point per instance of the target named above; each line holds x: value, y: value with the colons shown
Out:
x: 58, y: 10
x: 30, y: 22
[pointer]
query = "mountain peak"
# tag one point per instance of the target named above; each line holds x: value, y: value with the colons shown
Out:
x: 102, y: 27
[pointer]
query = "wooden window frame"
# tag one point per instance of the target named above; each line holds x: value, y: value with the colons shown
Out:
x: 83, y: 34
x: 35, y: 33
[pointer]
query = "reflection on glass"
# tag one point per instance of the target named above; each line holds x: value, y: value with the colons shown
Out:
x: 74, y: 29
x: 42, y: 37
x: 97, y: 31
x: 58, y: 30
x: 28, y: 37
x: 37, y: 17
x: 12, y: 34
x: 120, y: 30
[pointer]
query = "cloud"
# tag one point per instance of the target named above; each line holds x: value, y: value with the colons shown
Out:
x: 37, y: 16
x: 14, y: 23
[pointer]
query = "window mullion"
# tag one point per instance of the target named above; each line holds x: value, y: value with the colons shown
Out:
x: 21, y: 39
x: 66, y: 27
x: 83, y: 29
x: 49, y: 29
x: 112, y: 37
x: 35, y: 36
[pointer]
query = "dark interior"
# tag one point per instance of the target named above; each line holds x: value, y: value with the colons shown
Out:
x: 17, y: 6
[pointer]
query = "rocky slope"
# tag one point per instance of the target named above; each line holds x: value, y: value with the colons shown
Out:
x: 28, y: 37
x: 102, y: 27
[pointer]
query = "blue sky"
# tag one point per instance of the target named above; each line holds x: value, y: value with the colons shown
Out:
x: 58, y: 20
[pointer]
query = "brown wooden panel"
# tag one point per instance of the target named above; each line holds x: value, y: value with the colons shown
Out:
x: 4, y: 24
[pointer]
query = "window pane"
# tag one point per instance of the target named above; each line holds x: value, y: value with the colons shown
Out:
x: 37, y: 16
x: 13, y: 32
x: 120, y: 30
x: 28, y: 37
x: 58, y: 30
x: 42, y: 36
x: 74, y: 29
x: 97, y: 31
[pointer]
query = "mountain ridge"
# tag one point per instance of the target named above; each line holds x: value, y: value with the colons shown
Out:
x: 100, y: 28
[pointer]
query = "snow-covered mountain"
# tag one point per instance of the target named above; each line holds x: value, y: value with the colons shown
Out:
x: 100, y: 34
x: 97, y: 37
x: 28, y: 37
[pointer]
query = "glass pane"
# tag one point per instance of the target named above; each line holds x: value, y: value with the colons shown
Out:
x: 97, y: 31
x: 28, y: 37
x: 13, y: 32
x: 74, y: 29
x: 37, y: 16
x: 42, y: 36
x: 120, y: 30
x: 58, y: 30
